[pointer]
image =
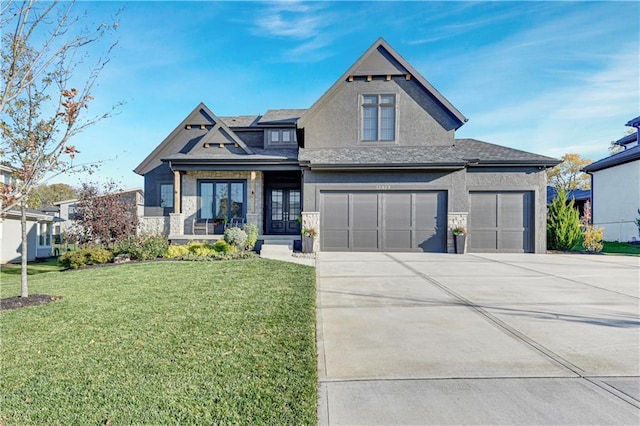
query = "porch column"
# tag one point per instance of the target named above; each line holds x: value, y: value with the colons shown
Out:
x: 253, y: 192
x: 176, y: 191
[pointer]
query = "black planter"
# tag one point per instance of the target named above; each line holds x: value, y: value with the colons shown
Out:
x: 459, y: 242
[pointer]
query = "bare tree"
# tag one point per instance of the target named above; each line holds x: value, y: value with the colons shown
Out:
x: 45, y: 51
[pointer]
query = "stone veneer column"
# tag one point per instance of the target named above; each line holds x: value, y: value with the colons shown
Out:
x: 252, y: 219
x: 454, y: 220
x: 176, y: 224
x: 312, y: 220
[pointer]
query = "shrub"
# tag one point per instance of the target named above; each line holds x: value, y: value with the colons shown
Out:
x: 593, y: 239
x: 143, y: 247
x: 563, y: 223
x: 252, y: 236
x: 177, y: 252
x: 236, y: 237
x: 85, y: 256
x: 221, y: 246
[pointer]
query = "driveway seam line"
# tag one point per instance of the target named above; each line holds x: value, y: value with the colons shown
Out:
x: 520, y: 336
x: 554, y: 276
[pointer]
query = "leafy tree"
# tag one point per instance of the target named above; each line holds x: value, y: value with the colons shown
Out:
x: 46, y: 195
x: 568, y: 175
x: 563, y: 223
x: 46, y: 86
x: 103, y: 216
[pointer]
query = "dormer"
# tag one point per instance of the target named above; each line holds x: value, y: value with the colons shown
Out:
x: 280, y: 128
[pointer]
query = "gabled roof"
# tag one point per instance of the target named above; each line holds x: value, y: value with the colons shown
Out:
x: 281, y: 116
x: 381, y: 58
x: 241, y: 120
x: 622, y: 157
x: 634, y: 122
x: 574, y: 194
x: 633, y: 137
x: 184, y: 140
x: 464, y: 152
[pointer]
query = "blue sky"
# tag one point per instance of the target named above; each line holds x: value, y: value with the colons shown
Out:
x: 545, y: 77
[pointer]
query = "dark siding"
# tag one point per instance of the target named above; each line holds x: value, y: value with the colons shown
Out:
x: 152, y: 181
x: 251, y: 138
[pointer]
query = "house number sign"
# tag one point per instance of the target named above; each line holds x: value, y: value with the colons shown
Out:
x: 383, y: 186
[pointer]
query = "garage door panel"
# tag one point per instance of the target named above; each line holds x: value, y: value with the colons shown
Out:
x: 384, y: 220
x: 501, y: 221
x: 397, y: 240
x: 365, y: 210
x: 397, y: 211
x: 512, y: 211
x: 335, y: 214
x: 487, y: 204
x: 335, y: 239
x: 365, y: 240
x: 429, y: 240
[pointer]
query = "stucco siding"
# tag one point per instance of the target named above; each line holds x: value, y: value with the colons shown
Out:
x: 616, y: 199
x: 337, y: 123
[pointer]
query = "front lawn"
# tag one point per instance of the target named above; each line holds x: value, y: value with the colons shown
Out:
x: 33, y: 268
x: 623, y: 248
x: 162, y: 343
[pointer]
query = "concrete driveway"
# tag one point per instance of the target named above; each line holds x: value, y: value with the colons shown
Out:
x: 413, y: 338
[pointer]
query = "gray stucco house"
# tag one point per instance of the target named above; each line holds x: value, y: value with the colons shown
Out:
x: 373, y: 165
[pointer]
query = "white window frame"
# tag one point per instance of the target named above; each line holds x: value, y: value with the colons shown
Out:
x: 47, y: 236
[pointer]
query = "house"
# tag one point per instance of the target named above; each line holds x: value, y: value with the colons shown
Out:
x: 615, y: 189
x: 39, y: 236
x: 7, y: 175
x: 580, y: 197
x: 373, y: 165
x: 67, y: 209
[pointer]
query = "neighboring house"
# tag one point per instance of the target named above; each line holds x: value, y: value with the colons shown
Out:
x: 7, y: 174
x: 615, y: 188
x: 67, y: 208
x: 579, y: 197
x: 373, y: 165
x: 39, y: 236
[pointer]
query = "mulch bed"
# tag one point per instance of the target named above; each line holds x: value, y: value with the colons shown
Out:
x: 18, y: 302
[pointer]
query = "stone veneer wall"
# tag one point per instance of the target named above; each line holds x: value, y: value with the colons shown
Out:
x: 312, y: 220
x: 154, y: 225
x: 190, y: 193
x: 455, y: 219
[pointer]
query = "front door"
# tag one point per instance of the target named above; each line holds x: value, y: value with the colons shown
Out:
x: 283, y: 210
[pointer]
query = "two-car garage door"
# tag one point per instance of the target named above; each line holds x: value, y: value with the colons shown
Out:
x: 383, y: 221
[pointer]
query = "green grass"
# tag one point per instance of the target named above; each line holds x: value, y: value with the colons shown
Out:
x: 623, y: 248
x: 612, y: 247
x: 163, y: 343
x: 33, y: 268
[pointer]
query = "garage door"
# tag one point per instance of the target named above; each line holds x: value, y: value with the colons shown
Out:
x: 383, y: 221
x: 501, y: 222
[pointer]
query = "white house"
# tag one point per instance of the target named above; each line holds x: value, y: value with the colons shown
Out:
x: 615, y: 189
x: 39, y: 236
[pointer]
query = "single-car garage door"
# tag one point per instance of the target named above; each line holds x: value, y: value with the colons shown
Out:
x: 501, y: 221
x: 383, y: 221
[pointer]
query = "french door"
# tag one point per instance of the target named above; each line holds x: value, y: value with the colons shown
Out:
x: 283, y: 210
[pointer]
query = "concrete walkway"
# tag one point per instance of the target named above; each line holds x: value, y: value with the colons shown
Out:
x: 413, y: 338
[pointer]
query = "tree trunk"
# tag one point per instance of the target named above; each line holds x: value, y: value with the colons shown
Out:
x: 24, y: 290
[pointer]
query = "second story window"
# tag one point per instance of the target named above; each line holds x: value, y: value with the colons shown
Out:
x: 378, y: 117
x: 281, y: 137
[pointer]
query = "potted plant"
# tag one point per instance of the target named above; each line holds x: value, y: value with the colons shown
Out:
x: 308, y: 236
x: 459, y: 239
